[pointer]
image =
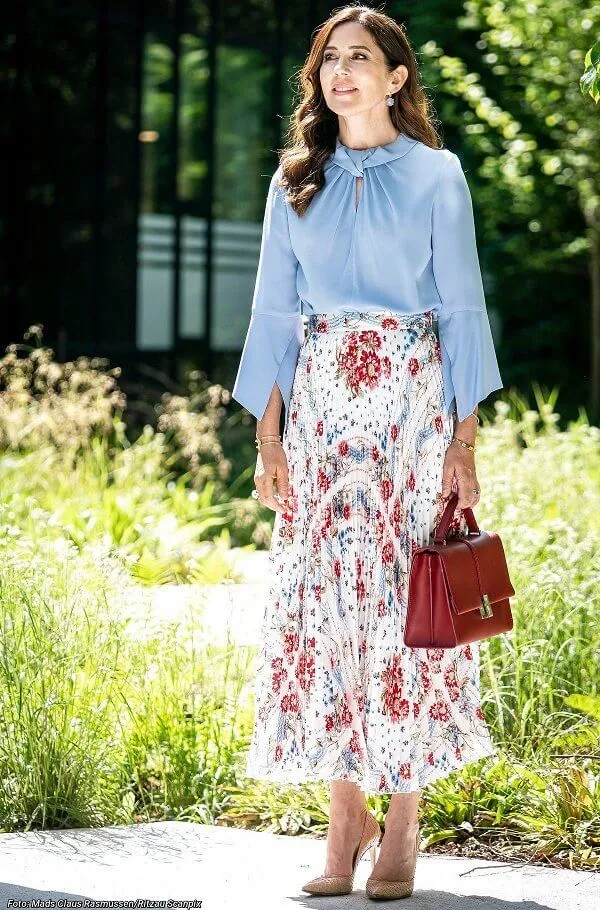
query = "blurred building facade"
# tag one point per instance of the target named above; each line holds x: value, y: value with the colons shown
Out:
x: 141, y: 137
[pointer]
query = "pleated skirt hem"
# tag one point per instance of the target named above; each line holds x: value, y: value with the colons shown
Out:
x: 370, y: 783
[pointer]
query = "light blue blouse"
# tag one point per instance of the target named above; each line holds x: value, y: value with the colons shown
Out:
x: 409, y: 246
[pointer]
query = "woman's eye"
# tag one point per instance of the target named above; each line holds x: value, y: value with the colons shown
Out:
x: 327, y: 56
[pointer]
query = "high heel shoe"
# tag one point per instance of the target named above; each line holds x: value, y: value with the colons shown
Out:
x: 343, y: 884
x: 382, y: 889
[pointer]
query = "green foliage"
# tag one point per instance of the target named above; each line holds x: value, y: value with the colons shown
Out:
x: 590, y: 80
x: 507, y: 89
x: 164, y: 500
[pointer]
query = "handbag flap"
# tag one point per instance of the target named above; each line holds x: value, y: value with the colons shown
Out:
x: 475, y: 568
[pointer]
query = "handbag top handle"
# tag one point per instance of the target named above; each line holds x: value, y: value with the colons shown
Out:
x: 444, y: 523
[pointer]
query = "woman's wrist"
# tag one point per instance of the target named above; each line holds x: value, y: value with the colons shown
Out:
x: 466, y: 429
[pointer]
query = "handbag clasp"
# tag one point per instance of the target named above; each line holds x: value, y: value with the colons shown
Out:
x: 486, y: 608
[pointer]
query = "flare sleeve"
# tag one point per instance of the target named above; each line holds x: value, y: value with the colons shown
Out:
x: 276, y: 330
x: 469, y: 364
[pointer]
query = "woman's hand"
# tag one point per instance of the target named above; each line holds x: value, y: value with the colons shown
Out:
x: 459, y: 475
x: 272, y: 466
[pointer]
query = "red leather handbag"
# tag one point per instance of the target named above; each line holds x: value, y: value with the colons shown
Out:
x: 459, y: 588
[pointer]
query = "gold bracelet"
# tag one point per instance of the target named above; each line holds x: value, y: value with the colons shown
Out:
x: 466, y: 445
x: 267, y: 436
x: 274, y: 442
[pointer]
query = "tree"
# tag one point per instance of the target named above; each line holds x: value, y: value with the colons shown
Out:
x: 531, y: 120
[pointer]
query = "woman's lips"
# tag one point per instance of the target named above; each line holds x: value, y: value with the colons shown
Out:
x: 345, y: 91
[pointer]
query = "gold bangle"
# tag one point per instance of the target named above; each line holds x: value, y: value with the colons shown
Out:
x: 274, y: 442
x: 466, y: 445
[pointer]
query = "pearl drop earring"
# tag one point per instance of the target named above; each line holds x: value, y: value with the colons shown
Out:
x: 390, y: 101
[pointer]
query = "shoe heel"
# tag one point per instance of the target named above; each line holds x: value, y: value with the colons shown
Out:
x: 373, y: 854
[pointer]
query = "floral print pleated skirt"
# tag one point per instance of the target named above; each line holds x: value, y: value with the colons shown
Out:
x: 338, y: 695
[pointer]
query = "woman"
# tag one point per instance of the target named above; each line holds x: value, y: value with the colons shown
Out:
x: 370, y: 233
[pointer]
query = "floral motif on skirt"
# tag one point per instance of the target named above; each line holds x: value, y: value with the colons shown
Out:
x: 338, y: 695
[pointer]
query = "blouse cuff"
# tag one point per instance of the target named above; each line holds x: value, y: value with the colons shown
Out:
x: 469, y: 365
x: 269, y: 355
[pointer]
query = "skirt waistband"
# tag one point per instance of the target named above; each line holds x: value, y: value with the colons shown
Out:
x: 347, y: 319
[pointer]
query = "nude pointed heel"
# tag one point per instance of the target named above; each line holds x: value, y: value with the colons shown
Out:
x: 382, y: 889
x: 373, y: 852
x: 343, y: 884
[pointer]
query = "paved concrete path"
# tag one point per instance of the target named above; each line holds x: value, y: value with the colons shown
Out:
x: 224, y: 868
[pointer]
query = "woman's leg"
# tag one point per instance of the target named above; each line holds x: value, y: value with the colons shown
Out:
x: 346, y: 819
x: 396, y: 852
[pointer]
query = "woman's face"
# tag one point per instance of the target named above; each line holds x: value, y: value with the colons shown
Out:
x: 352, y: 60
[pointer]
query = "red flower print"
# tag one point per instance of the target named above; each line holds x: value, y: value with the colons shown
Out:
x: 374, y: 453
x: 439, y: 424
x: 431, y: 759
x: 386, y: 364
x: 468, y: 653
x: 294, y: 416
x: 416, y: 709
x: 380, y: 607
x: 329, y: 723
x: 405, y: 770
x: 354, y: 743
x: 278, y: 752
x: 389, y: 323
x: 305, y: 671
x: 435, y: 654
x: 393, y: 680
x: 413, y: 366
x: 386, y: 488
x: 343, y: 447
x: 369, y: 369
x: 382, y: 782
x: 290, y: 703
x: 279, y: 674
x: 322, y: 480
x: 479, y: 713
x: 346, y: 715
x: 291, y: 644
x: 439, y: 710
x: 451, y: 681
x: 318, y: 589
x: 361, y: 591
x: 347, y: 511
x: 438, y: 351
x: 337, y: 568
x: 370, y: 339
x: 322, y: 325
x: 411, y: 481
x: 319, y: 427
x: 387, y: 553
x: 394, y: 431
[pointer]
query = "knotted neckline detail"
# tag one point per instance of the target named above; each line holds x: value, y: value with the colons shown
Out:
x: 356, y: 160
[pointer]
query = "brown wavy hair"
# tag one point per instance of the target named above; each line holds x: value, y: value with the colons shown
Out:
x: 312, y: 135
